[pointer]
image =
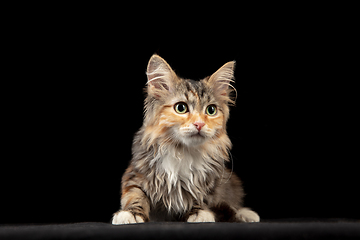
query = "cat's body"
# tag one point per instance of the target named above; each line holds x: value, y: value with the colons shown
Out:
x: 178, y: 171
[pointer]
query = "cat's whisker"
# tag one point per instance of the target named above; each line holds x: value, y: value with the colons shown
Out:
x: 232, y: 167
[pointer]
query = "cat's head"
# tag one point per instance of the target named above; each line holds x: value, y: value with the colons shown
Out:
x: 184, y: 111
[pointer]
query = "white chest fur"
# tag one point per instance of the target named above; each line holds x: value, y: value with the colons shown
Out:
x: 182, y: 165
x: 179, y: 178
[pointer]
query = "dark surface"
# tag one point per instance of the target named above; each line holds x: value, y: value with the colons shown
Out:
x: 265, y: 230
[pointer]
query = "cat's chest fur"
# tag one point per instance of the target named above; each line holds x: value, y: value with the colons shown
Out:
x: 181, y: 176
x: 181, y: 166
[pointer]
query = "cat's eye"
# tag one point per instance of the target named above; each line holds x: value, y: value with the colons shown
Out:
x: 181, y: 108
x: 211, y: 110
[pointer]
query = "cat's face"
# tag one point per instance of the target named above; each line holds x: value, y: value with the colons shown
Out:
x: 192, y: 115
x: 186, y: 111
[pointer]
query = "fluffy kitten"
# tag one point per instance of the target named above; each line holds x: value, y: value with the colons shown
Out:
x: 178, y: 171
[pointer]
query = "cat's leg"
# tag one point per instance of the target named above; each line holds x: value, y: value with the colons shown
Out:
x: 199, y: 214
x: 135, y: 205
x: 231, y: 193
x: 246, y: 215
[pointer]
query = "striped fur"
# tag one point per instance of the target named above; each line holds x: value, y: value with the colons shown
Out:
x: 178, y: 170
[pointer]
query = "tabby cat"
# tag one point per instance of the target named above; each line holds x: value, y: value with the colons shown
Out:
x: 177, y: 172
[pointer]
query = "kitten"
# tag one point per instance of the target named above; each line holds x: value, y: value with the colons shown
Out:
x: 177, y: 172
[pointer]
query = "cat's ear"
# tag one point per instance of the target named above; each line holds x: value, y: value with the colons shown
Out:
x: 221, y: 80
x: 160, y: 76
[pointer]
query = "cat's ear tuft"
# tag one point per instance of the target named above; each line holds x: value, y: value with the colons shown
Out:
x: 221, y: 80
x: 160, y: 76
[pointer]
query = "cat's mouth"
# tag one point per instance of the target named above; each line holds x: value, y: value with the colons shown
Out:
x: 198, y: 134
x: 192, y: 139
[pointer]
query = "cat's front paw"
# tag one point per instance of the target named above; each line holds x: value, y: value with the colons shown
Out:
x: 202, y: 216
x: 247, y: 215
x: 126, y: 217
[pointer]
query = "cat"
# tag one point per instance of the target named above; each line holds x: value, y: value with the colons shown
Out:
x: 177, y: 171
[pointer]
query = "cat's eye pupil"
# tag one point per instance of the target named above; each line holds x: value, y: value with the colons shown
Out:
x: 180, y: 108
x: 211, y: 110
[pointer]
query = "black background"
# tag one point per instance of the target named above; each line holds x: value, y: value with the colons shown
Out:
x: 74, y: 99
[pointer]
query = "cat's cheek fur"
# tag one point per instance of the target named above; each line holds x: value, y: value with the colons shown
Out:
x: 168, y: 118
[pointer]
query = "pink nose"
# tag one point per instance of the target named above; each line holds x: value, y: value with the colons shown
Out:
x: 199, y: 125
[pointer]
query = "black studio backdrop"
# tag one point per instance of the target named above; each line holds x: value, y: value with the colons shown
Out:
x: 76, y: 99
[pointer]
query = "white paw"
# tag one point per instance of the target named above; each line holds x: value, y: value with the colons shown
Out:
x: 247, y: 215
x: 125, y: 217
x: 202, y: 216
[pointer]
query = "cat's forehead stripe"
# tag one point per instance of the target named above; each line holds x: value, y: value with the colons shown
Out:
x: 195, y: 92
x: 195, y: 87
x: 191, y: 92
x: 190, y: 87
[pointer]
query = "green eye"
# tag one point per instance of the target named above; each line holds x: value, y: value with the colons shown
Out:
x: 211, y: 110
x: 181, y: 107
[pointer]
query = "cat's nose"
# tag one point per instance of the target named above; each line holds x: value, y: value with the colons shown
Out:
x: 199, y: 125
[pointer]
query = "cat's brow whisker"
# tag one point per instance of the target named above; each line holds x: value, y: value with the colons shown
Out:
x: 234, y: 89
